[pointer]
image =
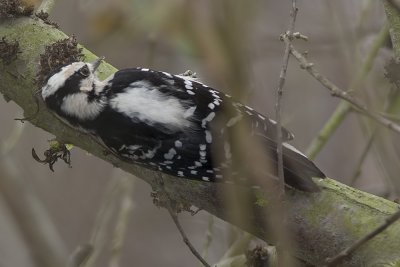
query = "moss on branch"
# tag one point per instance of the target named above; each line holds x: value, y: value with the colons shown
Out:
x: 321, y: 224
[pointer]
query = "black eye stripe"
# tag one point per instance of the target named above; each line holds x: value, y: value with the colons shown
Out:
x: 84, y: 71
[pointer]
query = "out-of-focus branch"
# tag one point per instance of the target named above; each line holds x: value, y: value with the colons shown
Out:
x: 31, y: 218
x: 37, y: 229
x: 284, y: 243
x: 282, y: 78
x: 337, y: 92
x: 393, y: 16
x: 121, y: 224
x: 344, y: 107
x: 46, y: 6
x: 321, y: 224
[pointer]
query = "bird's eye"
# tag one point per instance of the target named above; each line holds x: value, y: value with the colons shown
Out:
x: 84, y: 71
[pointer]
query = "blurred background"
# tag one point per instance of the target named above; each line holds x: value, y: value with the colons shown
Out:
x: 232, y: 46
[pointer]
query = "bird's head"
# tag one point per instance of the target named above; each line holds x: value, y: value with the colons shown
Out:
x: 74, y: 90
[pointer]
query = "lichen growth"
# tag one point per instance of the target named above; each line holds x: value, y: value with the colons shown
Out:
x: 8, y: 50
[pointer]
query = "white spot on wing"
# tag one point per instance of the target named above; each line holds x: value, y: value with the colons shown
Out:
x: 188, y: 85
x: 169, y: 75
x: 234, y: 120
x: 189, y: 112
x: 198, y: 164
x: 209, y: 118
x: 227, y: 149
x: 289, y: 146
x: 261, y: 117
x: 208, y: 137
x: 170, y: 155
x: 272, y: 121
x: 178, y: 143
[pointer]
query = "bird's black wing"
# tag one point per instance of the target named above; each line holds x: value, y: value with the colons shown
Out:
x: 189, y: 151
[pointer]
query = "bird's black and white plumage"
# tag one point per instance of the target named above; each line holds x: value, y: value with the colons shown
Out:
x: 169, y: 123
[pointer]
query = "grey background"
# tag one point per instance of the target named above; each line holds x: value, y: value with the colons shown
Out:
x: 140, y: 33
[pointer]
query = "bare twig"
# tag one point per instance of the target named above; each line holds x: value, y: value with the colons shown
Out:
x: 185, y: 238
x: 288, y: 35
x: 345, y: 253
x: 173, y: 213
x: 282, y: 78
x: 337, y: 92
x: 344, y: 107
x: 360, y: 162
x: 98, y: 238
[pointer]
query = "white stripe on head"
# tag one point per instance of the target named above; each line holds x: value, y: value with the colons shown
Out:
x: 57, y: 81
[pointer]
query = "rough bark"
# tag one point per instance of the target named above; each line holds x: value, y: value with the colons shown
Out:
x: 321, y: 224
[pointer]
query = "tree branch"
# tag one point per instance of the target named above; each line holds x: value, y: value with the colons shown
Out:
x: 321, y: 224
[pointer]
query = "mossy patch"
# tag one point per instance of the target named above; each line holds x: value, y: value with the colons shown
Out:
x: 8, y: 50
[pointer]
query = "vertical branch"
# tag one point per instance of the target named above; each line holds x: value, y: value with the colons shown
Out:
x: 283, y: 240
x: 282, y: 79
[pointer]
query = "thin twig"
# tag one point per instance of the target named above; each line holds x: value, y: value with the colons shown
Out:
x: 174, y: 216
x: 360, y: 162
x: 185, y: 238
x: 345, y: 253
x: 282, y: 78
x: 344, y: 107
x: 283, y: 242
x: 337, y: 92
x: 99, y: 235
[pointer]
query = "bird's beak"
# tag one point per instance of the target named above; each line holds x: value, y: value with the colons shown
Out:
x: 95, y: 64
